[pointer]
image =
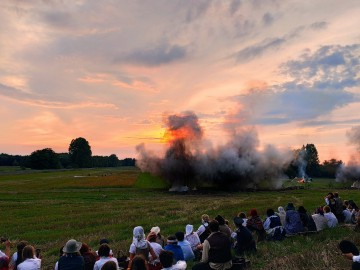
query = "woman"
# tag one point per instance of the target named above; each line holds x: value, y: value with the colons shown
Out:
x: 71, y: 260
x: 30, y: 261
x: 293, y: 224
x: 89, y: 256
x: 307, y: 220
x: 154, y: 264
x: 104, y: 254
x: 140, y: 245
x: 273, y: 227
x: 194, y: 240
x: 254, y: 224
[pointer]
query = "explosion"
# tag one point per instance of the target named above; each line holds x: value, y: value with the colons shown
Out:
x: 238, y: 164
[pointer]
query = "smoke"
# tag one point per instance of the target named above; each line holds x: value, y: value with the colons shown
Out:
x: 351, y: 172
x: 237, y: 164
x: 302, y: 163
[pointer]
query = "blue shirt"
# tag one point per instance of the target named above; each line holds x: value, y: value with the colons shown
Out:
x: 187, y: 250
x: 176, y: 249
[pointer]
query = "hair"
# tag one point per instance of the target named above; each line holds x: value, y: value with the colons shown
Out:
x: 179, y: 236
x: 104, y: 250
x: 220, y: 219
x: 302, y: 209
x: 253, y: 212
x: 84, y: 248
x: 104, y: 241
x: 173, y: 240
x: 214, y: 226
x: 28, y: 252
x: 327, y: 209
x: 20, y: 246
x: 151, y: 237
x: 270, y: 212
x: 242, y: 215
x: 205, y: 217
x: 4, y: 263
x: 109, y: 265
x: 166, y: 258
x: 336, y: 194
x: 139, y: 263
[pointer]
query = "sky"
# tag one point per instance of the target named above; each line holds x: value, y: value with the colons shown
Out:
x: 111, y: 71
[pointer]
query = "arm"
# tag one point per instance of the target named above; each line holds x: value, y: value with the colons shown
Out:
x: 152, y: 252
x: 267, y: 224
x: 200, y: 230
x: 205, y: 253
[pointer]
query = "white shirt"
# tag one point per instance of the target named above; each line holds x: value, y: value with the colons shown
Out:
x: 2, y: 254
x: 193, y: 239
x: 157, y: 249
x: 180, y: 265
x: 347, y: 214
x: 331, y: 219
x: 202, y: 228
x: 103, y: 260
x: 320, y: 222
x: 30, y: 264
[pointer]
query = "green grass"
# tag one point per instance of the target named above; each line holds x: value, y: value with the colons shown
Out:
x: 47, y: 208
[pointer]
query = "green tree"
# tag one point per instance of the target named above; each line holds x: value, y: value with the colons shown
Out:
x: 80, y: 153
x: 312, y: 158
x: 113, y: 161
x: 44, y: 159
x: 330, y: 167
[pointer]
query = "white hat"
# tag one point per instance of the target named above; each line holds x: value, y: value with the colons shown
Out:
x: 155, y: 230
x: 189, y: 229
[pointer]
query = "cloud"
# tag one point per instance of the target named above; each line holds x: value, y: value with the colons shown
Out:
x: 234, y: 6
x: 320, y: 84
x: 319, y: 25
x: 267, y: 19
x: 159, y: 55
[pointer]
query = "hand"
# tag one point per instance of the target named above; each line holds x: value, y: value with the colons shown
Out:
x: 348, y: 256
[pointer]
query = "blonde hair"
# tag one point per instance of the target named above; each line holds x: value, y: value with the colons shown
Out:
x: 327, y: 209
x: 205, y: 217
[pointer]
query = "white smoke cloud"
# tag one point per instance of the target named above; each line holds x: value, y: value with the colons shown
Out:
x: 237, y: 164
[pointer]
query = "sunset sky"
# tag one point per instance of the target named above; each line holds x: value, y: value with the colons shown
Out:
x: 110, y: 71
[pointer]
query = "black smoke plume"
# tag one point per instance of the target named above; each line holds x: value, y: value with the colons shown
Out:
x: 237, y: 164
x: 351, y: 171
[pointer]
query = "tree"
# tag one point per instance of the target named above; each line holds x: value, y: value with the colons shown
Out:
x: 80, y: 153
x: 113, y: 161
x: 44, y: 159
x: 330, y: 167
x: 312, y: 158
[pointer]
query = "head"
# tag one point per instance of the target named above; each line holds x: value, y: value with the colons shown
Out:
x: 72, y: 246
x: 166, y: 258
x: 302, y: 209
x: 238, y: 221
x: 19, y: 247
x: 320, y: 211
x: 104, y: 241
x: 171, y: 240
x: 84, y: 248
x: 138, y: 233
x: 155, y: 230
x: 205, y: 218
x: 270, y: 212
x: 139, y: 263
x: 281, y: 209
x: 346, y: 203
x: 189, y: 229
x: 28, y: 252
x: 290, y: 206
x: 327, y: 209
x: 242, y: 215
x: 336, y: 195
x: 151, y: 237
x: 214, y: 226
x: 179, y: 236
x: 220, y: 219
x: 253, y: 212
x: 4, y: 263
x: 104, y: 250
x: 109, y: 265
x: 330, y: 195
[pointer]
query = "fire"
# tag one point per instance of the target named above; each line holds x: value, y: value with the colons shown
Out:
x: 170, y: 136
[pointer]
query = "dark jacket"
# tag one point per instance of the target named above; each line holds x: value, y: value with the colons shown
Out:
x: 220, y: 248
x: 71, y: 262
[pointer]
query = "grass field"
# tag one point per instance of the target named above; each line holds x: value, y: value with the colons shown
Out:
x: 47, y: 208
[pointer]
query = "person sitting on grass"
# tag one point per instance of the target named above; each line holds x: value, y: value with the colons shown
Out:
x: 272, y: 225
x: 223, y: 227
x: 16, y: 258
x: 255, y: 225
x: 109, y: 265
x: 244, y: 240
x: 5, y: 256
x: 172, y: 245
x: 159, y: 238
x: 307, y: 220
x: 89, y: 256
x: 154, y: 264
x: 331, y: 218
x: 30, y: 261
x: 71, y: 260
x: 216, y: 250
x: 167, y: 258
x: 293, y: 224
x: 347, y: 215
x: 193, y: 239
x: 203, y: 231
x: 281, y: 214
x: 104, y: 253
x: 185, y: 246
x: 140, y: 245
x: 319, y: 219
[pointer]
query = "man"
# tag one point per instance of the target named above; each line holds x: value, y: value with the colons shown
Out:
x: 172, y: 245
x: 216, y: 250
x: 185, y: 246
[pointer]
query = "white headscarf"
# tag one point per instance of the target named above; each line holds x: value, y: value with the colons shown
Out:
x: 139, y: 237
x: 189, y: 229
x: 281, y: 210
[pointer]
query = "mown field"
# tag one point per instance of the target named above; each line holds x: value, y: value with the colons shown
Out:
x: 47, y: 208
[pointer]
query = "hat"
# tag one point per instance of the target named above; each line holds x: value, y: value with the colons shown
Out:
x: 189, y: 229
x: 155, y: 230
x: 72, y: 246
x: 104, y: 241
x: 171, y: 240
x: 290, y: 206
x: 238, y: 221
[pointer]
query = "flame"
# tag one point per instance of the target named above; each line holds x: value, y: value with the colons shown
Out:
x: 171, y: 136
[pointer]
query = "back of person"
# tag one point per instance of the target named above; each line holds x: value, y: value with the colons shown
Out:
x: 143, y: 251
x: 293, y: 222
x: 220, y: 248
x: 71, y: 262
x: 244, y: 241
x: 89, y: 260
x: 206, y: 232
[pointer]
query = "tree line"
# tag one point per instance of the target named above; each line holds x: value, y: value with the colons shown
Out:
x: 78, y: 156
